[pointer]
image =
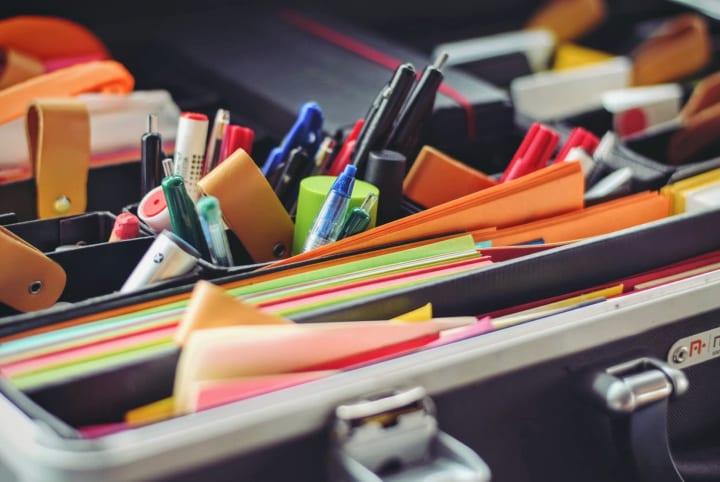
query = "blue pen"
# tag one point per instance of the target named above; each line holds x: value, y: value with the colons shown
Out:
x: 306, y: 133
x: 329, y: 220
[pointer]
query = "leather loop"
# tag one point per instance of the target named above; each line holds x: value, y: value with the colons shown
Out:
x: 254, y: 213
x: 58, y: 133
x: 29, y: 280
x: 680, y: 47
x: 643, y: 437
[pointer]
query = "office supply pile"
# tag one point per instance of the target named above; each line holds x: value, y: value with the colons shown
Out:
x: 361, y: 218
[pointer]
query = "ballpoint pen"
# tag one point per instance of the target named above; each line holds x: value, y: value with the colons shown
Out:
x: 324, y: 155
x: 183, y: 217
x: 208, y: 209
x: 378, y: 124
x: 298, y: 166
x: 150, y: 157
x: 359, y: 218
x: 344, y: 154
x: 306, y: 132
x: 190, y: 150
x: 417, y: 111
x: 329, y: 221
x: 217, y: 134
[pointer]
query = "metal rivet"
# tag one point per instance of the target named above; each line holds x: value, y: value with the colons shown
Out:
x: 680, y: 354
x: 279, y: 250
x: 62, y: 204
x: 35, y: 287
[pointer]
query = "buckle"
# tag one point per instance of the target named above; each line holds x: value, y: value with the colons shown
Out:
x: 395, y: 437
x: 625, y: 387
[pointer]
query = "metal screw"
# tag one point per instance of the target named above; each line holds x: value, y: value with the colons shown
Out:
x: 279, y: 250
x: 62, y: 204
x: 35, y: 287
x: 680, y: 354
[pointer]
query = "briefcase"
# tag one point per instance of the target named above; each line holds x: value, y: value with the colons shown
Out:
x: 545, y: 397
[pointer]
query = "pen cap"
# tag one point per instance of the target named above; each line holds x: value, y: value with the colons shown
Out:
x: 167, y: 257
x: 313, y: 191
x: 153, y: 210
x: 127, y: 226
x: 386, y: 170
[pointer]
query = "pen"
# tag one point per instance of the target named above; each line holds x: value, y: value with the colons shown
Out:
x: 208, y: 209
x: 324, y: 155
x: 297, y: 167
x: 183, y: 217
x: 190, y: 150
x: 378, y: 126
x: 150, y: 156
x: 217, y: 134
x: 236, y: 137
x: 305, y: 132
x: 359, y: 218
x: 344, y: 154
x: 329, y: 221
x: 126, y: 226
x: 415, y: 116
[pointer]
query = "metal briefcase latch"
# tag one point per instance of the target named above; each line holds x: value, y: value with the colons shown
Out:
x: 635, y: 395
x: 395, y: 438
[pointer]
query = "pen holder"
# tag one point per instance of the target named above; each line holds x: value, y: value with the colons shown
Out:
x: 312, y: 195
x: 109, y: 188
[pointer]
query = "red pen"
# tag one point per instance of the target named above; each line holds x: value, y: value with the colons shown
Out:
x: 534, y: 152
x: 236, y: 137
x: 344, y: 157
x: 127, y: 226
x: 578, y: 137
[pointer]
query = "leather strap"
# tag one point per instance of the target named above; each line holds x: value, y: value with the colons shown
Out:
x: 58, y: 133
x: 254, y: 213
x: 679, y: 48
x: 643, y: 437
x: 29, y: 280
x: 16, y: 67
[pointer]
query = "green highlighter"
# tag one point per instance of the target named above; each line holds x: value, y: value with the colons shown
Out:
x: 183, y: 217
x: 359, y: 218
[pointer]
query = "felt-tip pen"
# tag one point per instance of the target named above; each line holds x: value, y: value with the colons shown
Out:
x: 208, y: 208
x: 184, y: 219
x: 329, y: 220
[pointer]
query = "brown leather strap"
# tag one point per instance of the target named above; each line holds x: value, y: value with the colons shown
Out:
x: 679, y: 48
x: 29, y: 280
x: 58, y: 133
x: 254, y: 213
x: 16, y: 67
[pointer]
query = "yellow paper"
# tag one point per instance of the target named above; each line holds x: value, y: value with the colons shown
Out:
x: 152, y: 412
x: 678, y: 191
x: 424, y: 313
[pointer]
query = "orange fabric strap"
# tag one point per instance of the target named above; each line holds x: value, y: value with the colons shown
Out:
x: 105, y: 76
x: 48, y: 38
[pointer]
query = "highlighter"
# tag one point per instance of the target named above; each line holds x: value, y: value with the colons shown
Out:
x: 208, y: 209
x: 359, y: 218
x: 329, y: 220
x: 184, y: 219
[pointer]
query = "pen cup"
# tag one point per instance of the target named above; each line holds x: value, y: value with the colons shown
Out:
x: 311, y: 197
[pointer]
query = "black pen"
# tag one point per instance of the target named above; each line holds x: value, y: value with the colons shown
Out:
x: 378, y: 124
x: 298, y: 166
x: 150, y: 157
x: 415, y: 117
